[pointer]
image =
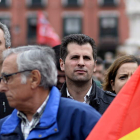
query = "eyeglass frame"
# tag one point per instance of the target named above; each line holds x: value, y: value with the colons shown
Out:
x: 4, y: 76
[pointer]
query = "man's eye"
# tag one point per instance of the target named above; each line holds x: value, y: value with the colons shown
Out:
x: 74, y: 57
x: 87, y: 58
x: 7, y: 78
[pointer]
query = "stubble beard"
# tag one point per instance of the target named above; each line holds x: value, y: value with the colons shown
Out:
x: 79, y: 81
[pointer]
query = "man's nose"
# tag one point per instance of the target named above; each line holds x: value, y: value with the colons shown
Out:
x: 81, y: 61
x: 3, y: 86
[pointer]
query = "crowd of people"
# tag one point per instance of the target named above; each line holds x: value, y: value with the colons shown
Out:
x: 57, y: 93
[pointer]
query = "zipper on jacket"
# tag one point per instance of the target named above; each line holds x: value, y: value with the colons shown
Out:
x: 4, y: 107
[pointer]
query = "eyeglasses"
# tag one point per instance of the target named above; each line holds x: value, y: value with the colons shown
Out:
x: 6, y: 77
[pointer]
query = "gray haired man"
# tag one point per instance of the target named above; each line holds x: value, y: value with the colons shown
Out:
x: 28, y: 78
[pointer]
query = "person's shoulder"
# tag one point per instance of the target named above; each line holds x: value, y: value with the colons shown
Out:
x: 75, y: 114
x: 107, y: 93
x: 106, y: 96
x: 101, y: 93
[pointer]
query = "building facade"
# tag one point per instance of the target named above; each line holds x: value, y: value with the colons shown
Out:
x: 103, y: 20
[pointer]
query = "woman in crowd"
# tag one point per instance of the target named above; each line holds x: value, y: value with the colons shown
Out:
x: 119, y: 73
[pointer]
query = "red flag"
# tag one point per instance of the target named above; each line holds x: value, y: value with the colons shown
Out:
x: 45, y: 32
x: 122, y: 118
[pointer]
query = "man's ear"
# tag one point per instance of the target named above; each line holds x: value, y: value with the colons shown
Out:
x: 95, y: 66
x: 112, y: 85
x: 35, y: 79
x: 62, y: 64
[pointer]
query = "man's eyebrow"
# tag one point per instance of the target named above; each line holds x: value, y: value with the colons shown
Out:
x: 75, y: 55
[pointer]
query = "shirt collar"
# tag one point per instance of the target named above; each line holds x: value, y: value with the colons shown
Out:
x: 39, y: 111
x: 86, y: 98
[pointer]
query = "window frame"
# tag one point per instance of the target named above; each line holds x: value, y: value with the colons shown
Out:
x: 29, y: 16
x: 66, y: 4
x: 102, y: 3
x: 43, y: 4
x: 7, y: 4
x: 6, y: 15
x: 109, y: 38
x: 78, y: 15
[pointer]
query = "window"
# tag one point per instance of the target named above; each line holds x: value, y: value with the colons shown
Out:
x: 5, y: 19
x: 108, y: 2
x: 72, y: 24
x: 36, y: 3
x: 32, y: 28
x: 5, y: 3
x: 108, y: 28
x: 72, y: 3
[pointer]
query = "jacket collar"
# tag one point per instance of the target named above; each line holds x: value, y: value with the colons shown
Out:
x: 47, y: 120
x: 63, y: 90
x: 92, y: 93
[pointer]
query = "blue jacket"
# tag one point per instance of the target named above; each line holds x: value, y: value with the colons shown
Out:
x: 62, y: 119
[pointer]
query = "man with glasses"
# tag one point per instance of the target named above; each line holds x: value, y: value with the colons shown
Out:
x: 28, y: 78
x: 5, y: 43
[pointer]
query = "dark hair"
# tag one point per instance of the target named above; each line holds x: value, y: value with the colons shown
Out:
x: 79, y: 39
x: 57, y: 56
x: 112, y: 70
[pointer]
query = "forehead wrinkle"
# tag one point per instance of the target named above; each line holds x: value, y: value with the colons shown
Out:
x: 9, y: 64
x: 126, y: 69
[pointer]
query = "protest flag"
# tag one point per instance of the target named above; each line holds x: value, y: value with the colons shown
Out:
x: 45, y: 32
x: 121, y: 121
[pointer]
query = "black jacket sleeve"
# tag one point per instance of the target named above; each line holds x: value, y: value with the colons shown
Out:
x: 5, y: 109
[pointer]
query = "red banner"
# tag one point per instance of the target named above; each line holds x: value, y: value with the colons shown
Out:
x: 121, y: 121
x: 45, y: 33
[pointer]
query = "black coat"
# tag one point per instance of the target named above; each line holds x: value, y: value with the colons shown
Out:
x: 5, y: 109
x: 99, y: 99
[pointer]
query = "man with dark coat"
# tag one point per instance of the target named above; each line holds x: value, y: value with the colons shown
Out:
x: 78, y: 61
x: 5, y: 42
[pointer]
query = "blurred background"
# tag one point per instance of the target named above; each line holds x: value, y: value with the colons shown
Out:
x: 113, y: 24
